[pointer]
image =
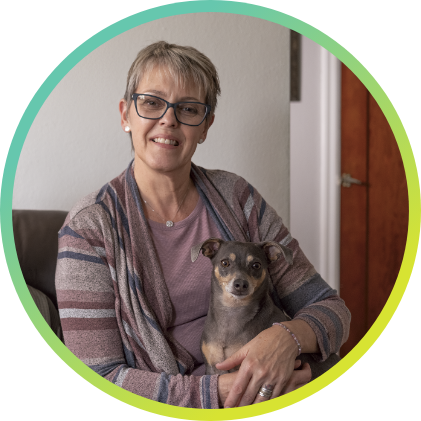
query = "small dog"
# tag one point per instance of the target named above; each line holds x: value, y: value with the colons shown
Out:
x: 241, y: 305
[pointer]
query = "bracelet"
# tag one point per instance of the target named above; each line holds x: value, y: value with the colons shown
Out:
x: 294, y: 337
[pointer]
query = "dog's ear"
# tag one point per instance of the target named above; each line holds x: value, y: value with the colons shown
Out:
x: 208, y: 247
x: 273, y: 250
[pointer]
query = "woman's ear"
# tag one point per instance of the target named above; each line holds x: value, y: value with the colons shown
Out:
x: 208, y: 123
x: 124, y: 121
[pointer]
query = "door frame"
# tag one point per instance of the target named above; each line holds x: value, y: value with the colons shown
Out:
x: 330, y: 165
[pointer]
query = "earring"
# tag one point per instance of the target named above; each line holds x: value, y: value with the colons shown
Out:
x: 201, y: 141
x: 127, y: 129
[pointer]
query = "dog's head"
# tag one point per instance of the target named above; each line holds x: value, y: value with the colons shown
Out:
x: 240, y: 268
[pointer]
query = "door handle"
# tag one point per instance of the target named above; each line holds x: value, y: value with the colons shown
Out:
x: 347, y: 180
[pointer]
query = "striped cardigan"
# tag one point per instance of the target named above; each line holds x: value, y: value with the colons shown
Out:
x: 114, y: 303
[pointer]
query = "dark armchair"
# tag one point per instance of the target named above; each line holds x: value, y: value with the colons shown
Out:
x: 36, y: 239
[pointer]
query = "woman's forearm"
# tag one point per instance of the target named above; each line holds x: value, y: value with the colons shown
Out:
x: 305, y: 335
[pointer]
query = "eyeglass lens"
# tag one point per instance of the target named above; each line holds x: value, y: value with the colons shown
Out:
x: 186, y: 112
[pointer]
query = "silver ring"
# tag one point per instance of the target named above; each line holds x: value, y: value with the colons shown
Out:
x: 265, y: 393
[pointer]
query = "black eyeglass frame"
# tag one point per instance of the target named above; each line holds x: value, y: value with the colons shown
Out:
x: 171, y: 105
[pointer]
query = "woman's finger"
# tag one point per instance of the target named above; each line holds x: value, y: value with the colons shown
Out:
x: 264, y: 394
x: 298, y: 379
x: 276, y: 389
x: 275, y: 385
x: 238, y: 388
x: 233, y: 361
x: 269, y: 388
x: 247, y: 385
x: 251, y: 394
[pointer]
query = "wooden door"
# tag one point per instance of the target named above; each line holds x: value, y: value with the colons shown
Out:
x: 374, y: 215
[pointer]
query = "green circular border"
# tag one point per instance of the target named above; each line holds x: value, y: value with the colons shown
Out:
x: 222, y: 7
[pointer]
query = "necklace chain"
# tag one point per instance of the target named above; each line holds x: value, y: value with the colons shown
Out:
x: 170, y: 222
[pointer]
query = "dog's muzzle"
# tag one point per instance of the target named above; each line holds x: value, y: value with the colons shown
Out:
x: 240, y: 287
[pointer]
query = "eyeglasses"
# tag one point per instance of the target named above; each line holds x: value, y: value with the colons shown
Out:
x: 154, y: 108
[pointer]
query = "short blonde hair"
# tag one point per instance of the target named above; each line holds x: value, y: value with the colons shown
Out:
x: 184, y: 64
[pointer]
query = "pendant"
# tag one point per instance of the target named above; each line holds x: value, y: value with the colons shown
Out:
x: 169, y: 224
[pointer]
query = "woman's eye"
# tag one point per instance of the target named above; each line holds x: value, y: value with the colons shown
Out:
x: 225, y: 263
x: 187, y: 109
x: 256, y: 265
x: 150, y: 103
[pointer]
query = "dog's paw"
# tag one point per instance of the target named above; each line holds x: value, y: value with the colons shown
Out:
x: 214, y: 370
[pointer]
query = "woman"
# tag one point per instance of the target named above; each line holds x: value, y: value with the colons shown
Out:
x: 132, y: 304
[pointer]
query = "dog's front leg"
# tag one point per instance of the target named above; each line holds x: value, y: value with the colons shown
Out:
x: 213, y: 353
x: 211, y: 369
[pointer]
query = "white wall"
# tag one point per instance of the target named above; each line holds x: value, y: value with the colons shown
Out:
x: 315, y: 161
x: 76, y: 145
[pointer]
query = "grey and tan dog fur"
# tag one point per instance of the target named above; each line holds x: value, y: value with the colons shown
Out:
x: 240, y: 304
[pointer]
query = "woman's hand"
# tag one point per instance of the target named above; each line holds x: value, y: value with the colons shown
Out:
x: 267, y: 360
x: 225, y: 382
x: 299, y: 377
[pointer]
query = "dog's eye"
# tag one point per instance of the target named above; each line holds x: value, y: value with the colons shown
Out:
x: 256, y: 265
x: 225, y: 263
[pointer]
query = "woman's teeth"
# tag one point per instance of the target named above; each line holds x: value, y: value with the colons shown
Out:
x: 166, y: 141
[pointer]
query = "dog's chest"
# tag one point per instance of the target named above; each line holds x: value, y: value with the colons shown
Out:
x: 225, y: 334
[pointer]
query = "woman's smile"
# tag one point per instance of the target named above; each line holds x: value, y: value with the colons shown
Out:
x: 165, y: 141
x: 165, y: 145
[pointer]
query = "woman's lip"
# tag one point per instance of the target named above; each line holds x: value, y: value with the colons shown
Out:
x: 164, y: 140
x: 165, y: 146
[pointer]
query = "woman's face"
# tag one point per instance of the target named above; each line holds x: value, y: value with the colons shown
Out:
x: 156, y: 156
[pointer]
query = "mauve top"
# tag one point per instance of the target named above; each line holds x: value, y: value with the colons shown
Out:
x: 185, y: 279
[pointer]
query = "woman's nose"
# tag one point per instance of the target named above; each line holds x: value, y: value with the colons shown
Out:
x: 169, y: 118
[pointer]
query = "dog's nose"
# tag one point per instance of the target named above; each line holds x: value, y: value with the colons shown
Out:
x: 241, y: 285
